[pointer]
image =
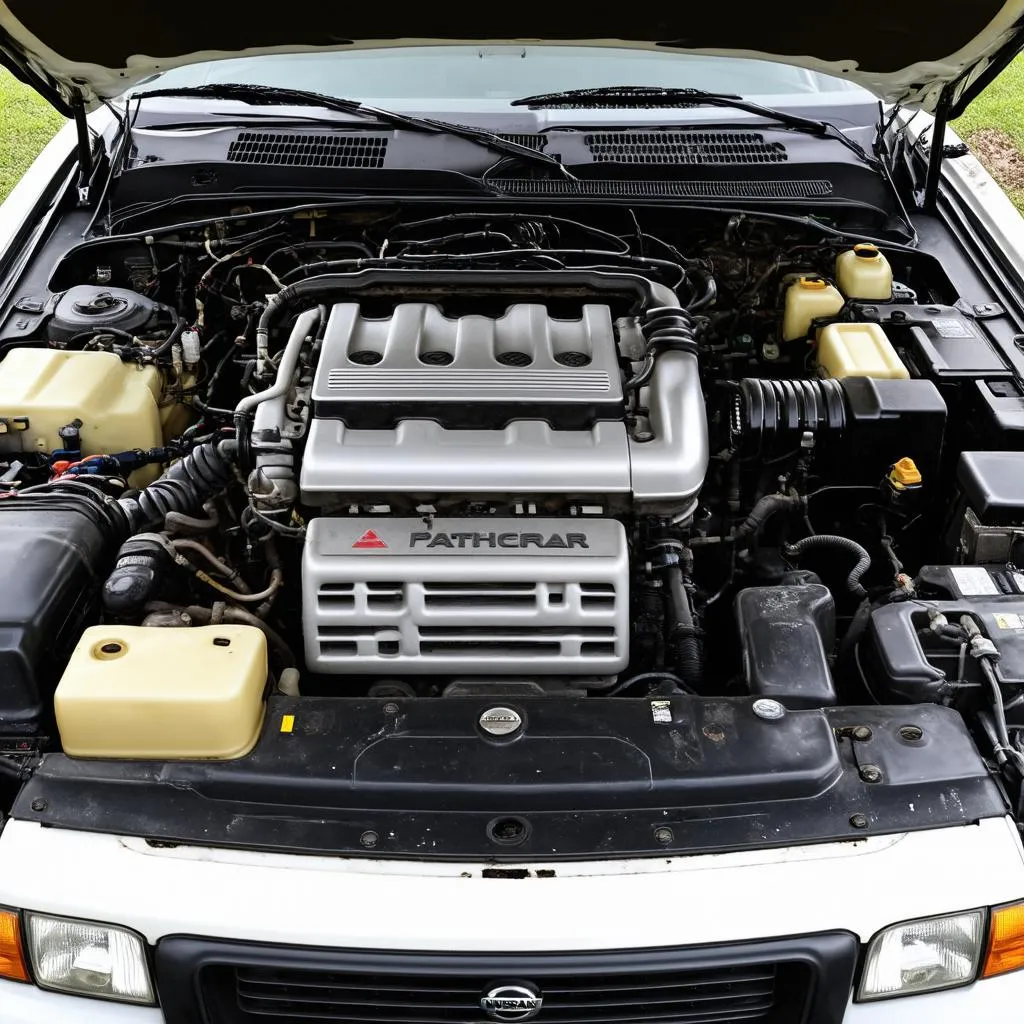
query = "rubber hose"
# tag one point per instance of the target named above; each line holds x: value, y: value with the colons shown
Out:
x: 763, y: 511
x: 189, y: 482
x: 687, y: 648
x: 827, y: 540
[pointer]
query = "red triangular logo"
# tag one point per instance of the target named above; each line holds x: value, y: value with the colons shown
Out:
x: 369, y: 540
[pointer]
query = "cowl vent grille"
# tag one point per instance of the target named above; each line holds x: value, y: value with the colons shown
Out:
x: 686, y: 148
x: 294, y: 149
x: 816, y: 188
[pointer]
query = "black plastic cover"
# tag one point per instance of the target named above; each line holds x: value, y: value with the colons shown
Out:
x: 888, y: 420
x: 787, y: 634
x: 582, y: 778
x: 90, y: 308
x: 939, y: 342
x: 993, y: 484
x: 904, y: 660
x: 52, y: 550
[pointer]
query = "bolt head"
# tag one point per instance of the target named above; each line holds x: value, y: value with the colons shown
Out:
x: 871, y: 773
x: 768, y: 709
x: 859, y: 820
x: 862, y: 733
x: 390, y: 708
x: 664, y: 835
x: 911, y: 733
x: 369, y: 840
x: 38, y: 805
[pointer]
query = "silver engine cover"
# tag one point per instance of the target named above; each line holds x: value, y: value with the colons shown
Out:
x: 491, y: 596
x: 423, y: 408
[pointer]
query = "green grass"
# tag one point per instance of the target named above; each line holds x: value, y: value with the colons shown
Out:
x: 27, y: 123
x: 1000, y: 107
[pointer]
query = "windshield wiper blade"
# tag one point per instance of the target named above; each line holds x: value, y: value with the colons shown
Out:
x: 642, y: 96
x: 267, y: 95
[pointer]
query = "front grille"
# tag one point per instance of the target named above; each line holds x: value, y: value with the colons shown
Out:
x: 301, y: 149
x: 801, y: 980
x: 721, y: 995
x: 684, y: 147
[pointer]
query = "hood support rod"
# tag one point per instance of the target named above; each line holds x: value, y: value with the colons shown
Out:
x: 85, y: 161
x: 936, y: 152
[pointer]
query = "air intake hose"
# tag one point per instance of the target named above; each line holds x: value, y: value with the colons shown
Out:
x: 190, y: 481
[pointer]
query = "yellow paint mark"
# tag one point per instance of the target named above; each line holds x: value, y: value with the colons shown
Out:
x: 287, y: 723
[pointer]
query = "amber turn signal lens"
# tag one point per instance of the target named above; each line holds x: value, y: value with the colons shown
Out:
x: 12, y: 957
x: 1005, y: 941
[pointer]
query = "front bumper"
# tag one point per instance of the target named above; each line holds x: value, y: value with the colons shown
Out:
x: 337, y: 903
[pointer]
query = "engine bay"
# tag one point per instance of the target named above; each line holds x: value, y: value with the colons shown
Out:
x: 383, y: 454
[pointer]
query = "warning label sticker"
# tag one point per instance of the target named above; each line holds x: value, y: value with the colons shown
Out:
x: 661, y: 712
x: 973, y: 581
x: 1010, y: 621
x: 952, y: 328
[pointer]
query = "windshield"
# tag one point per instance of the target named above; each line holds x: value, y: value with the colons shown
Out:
x: 492, y: 76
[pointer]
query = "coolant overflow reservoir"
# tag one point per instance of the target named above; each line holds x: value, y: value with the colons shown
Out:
x: 864, y: 273
x: 808, y: 298
x: 144, y: 692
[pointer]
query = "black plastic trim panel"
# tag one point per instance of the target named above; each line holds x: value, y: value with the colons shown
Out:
x: 419, y: 779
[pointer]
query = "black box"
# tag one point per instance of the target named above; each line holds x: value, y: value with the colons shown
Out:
x: 51, y: 552
x: 887, y: 420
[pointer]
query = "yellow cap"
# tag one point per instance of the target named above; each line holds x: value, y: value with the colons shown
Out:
x: 905, y: 474
x: 813, y: 283
x: 866, y: 251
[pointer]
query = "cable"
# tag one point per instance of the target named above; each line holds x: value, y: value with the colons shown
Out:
x: 826, y: 540
x: 652, y: 677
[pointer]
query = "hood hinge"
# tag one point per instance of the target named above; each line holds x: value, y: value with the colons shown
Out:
x: 85, y: 160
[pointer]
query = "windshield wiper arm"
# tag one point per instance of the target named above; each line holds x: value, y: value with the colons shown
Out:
x: 633, y: 96
x: 267, y: 95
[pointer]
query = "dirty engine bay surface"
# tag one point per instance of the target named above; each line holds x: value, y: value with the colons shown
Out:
x: 527, y: 513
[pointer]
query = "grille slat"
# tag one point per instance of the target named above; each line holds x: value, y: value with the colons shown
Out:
x: 699, y: 996
x: 686, y: 148
x: 299, y: 149
x: 817, y: 188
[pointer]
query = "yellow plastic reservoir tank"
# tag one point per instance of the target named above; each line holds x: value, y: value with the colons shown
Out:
x: 858, y: 350
x: 864, y: 273
x: 167, y: 694
x: 42, y: 390
x: 808, y: 298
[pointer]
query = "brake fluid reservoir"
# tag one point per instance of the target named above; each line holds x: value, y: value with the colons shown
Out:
x: 858, y: 350
x: 807, y: 299
x: 42, y: 390
x: 864, y: 273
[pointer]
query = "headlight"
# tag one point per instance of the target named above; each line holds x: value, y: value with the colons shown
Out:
x: 87, y: 959
x: 924, y: 956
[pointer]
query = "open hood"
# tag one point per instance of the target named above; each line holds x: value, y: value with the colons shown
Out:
x: 909, y: 51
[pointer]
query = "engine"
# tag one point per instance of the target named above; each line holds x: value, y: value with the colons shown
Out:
x: 516, y: 424
x: 613, y: 463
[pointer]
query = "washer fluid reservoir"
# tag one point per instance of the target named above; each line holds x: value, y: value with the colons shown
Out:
x: 864, y: 273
